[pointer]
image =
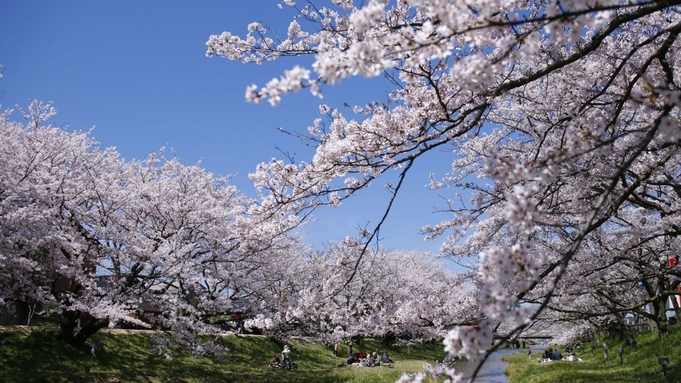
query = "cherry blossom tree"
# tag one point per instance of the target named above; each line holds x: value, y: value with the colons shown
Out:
x: 615, y: 279
x: 561, y: 117
x: 95, y: 239
x: 395, y: 296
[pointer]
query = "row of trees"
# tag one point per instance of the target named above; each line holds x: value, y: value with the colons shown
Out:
x: 347, y: 294
x: 92, y: 239
x: 89, y: 236
x: 562, y: 118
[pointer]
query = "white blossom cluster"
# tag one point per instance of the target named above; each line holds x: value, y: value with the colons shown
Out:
x: 86, y: 233
x: 562, y: 120
x: 384, y: 297
x: 436, y: 372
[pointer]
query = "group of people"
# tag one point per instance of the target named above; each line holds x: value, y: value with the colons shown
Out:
x: 284, y: 362
x: 360, y: 359
x: 364, y: 359
x: 551, y: 354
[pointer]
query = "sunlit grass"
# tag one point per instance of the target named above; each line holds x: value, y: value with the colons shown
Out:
x: 36, y: 355
x: 639, y: 364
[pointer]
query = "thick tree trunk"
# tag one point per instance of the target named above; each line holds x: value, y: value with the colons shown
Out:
x: 625, y: 330
x: 660, y: 314
x: 76, y: 327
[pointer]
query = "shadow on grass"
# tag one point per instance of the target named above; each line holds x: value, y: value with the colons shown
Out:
x: 37, y: 356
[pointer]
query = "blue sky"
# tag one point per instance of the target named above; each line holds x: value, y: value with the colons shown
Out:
x: 137, y: 71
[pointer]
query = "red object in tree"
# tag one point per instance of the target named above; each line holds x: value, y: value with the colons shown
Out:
x: 672, y: 261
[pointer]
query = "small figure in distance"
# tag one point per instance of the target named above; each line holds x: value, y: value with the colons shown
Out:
x: 95, y: 345
x: 275, y: 363
x: 286, y: 357
x: 372, y: 359
x: 386, y: 359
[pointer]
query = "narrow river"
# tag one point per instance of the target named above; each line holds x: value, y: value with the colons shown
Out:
x: 493, y: 369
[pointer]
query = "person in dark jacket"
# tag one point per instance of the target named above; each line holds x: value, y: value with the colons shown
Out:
x: 556, y: 355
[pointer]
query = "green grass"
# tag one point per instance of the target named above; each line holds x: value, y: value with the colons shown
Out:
x: 640, y: 364
x: 34, y: 355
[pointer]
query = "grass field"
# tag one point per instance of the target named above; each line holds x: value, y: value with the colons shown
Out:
x: 639, y: 364
x: 34, y: 355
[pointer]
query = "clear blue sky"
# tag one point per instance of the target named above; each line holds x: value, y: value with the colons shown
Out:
x: 137, y: 71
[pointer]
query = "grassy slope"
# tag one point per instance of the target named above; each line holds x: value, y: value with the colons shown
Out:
x: 33, y: 355
x: 640, y: 363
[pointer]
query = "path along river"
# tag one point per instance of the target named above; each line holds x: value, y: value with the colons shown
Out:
x: 493, y: 369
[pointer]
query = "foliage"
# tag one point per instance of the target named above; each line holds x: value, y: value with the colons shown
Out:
x: 562, y: 118
x: 99, y: 241
x: 96, y: 241
x: 394, y: 295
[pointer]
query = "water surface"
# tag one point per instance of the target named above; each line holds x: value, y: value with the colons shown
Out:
x: 493, y: 369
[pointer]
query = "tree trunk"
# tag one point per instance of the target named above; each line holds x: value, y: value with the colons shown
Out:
x: 660, y: 314
x: 76, y: 327
x: 31, y: 311
x: 624, y: 330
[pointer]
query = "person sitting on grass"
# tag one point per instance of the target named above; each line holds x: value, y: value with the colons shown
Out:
x: 386, y: 359
x: 351, y: 360
x: 371, y: 360
x: 556, y: 355
x: 275, y: 363
x: 547, y: 354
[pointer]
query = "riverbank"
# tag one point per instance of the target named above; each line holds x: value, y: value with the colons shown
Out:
x: 34, y: 355
x: 493, y: 371
x: 639, y: 364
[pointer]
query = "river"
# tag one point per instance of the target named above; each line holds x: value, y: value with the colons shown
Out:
x: 493, y: 369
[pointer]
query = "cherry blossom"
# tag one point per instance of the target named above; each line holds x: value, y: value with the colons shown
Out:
x: 392, y: 295
x: 561, y: 118
x: 98, y: 241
